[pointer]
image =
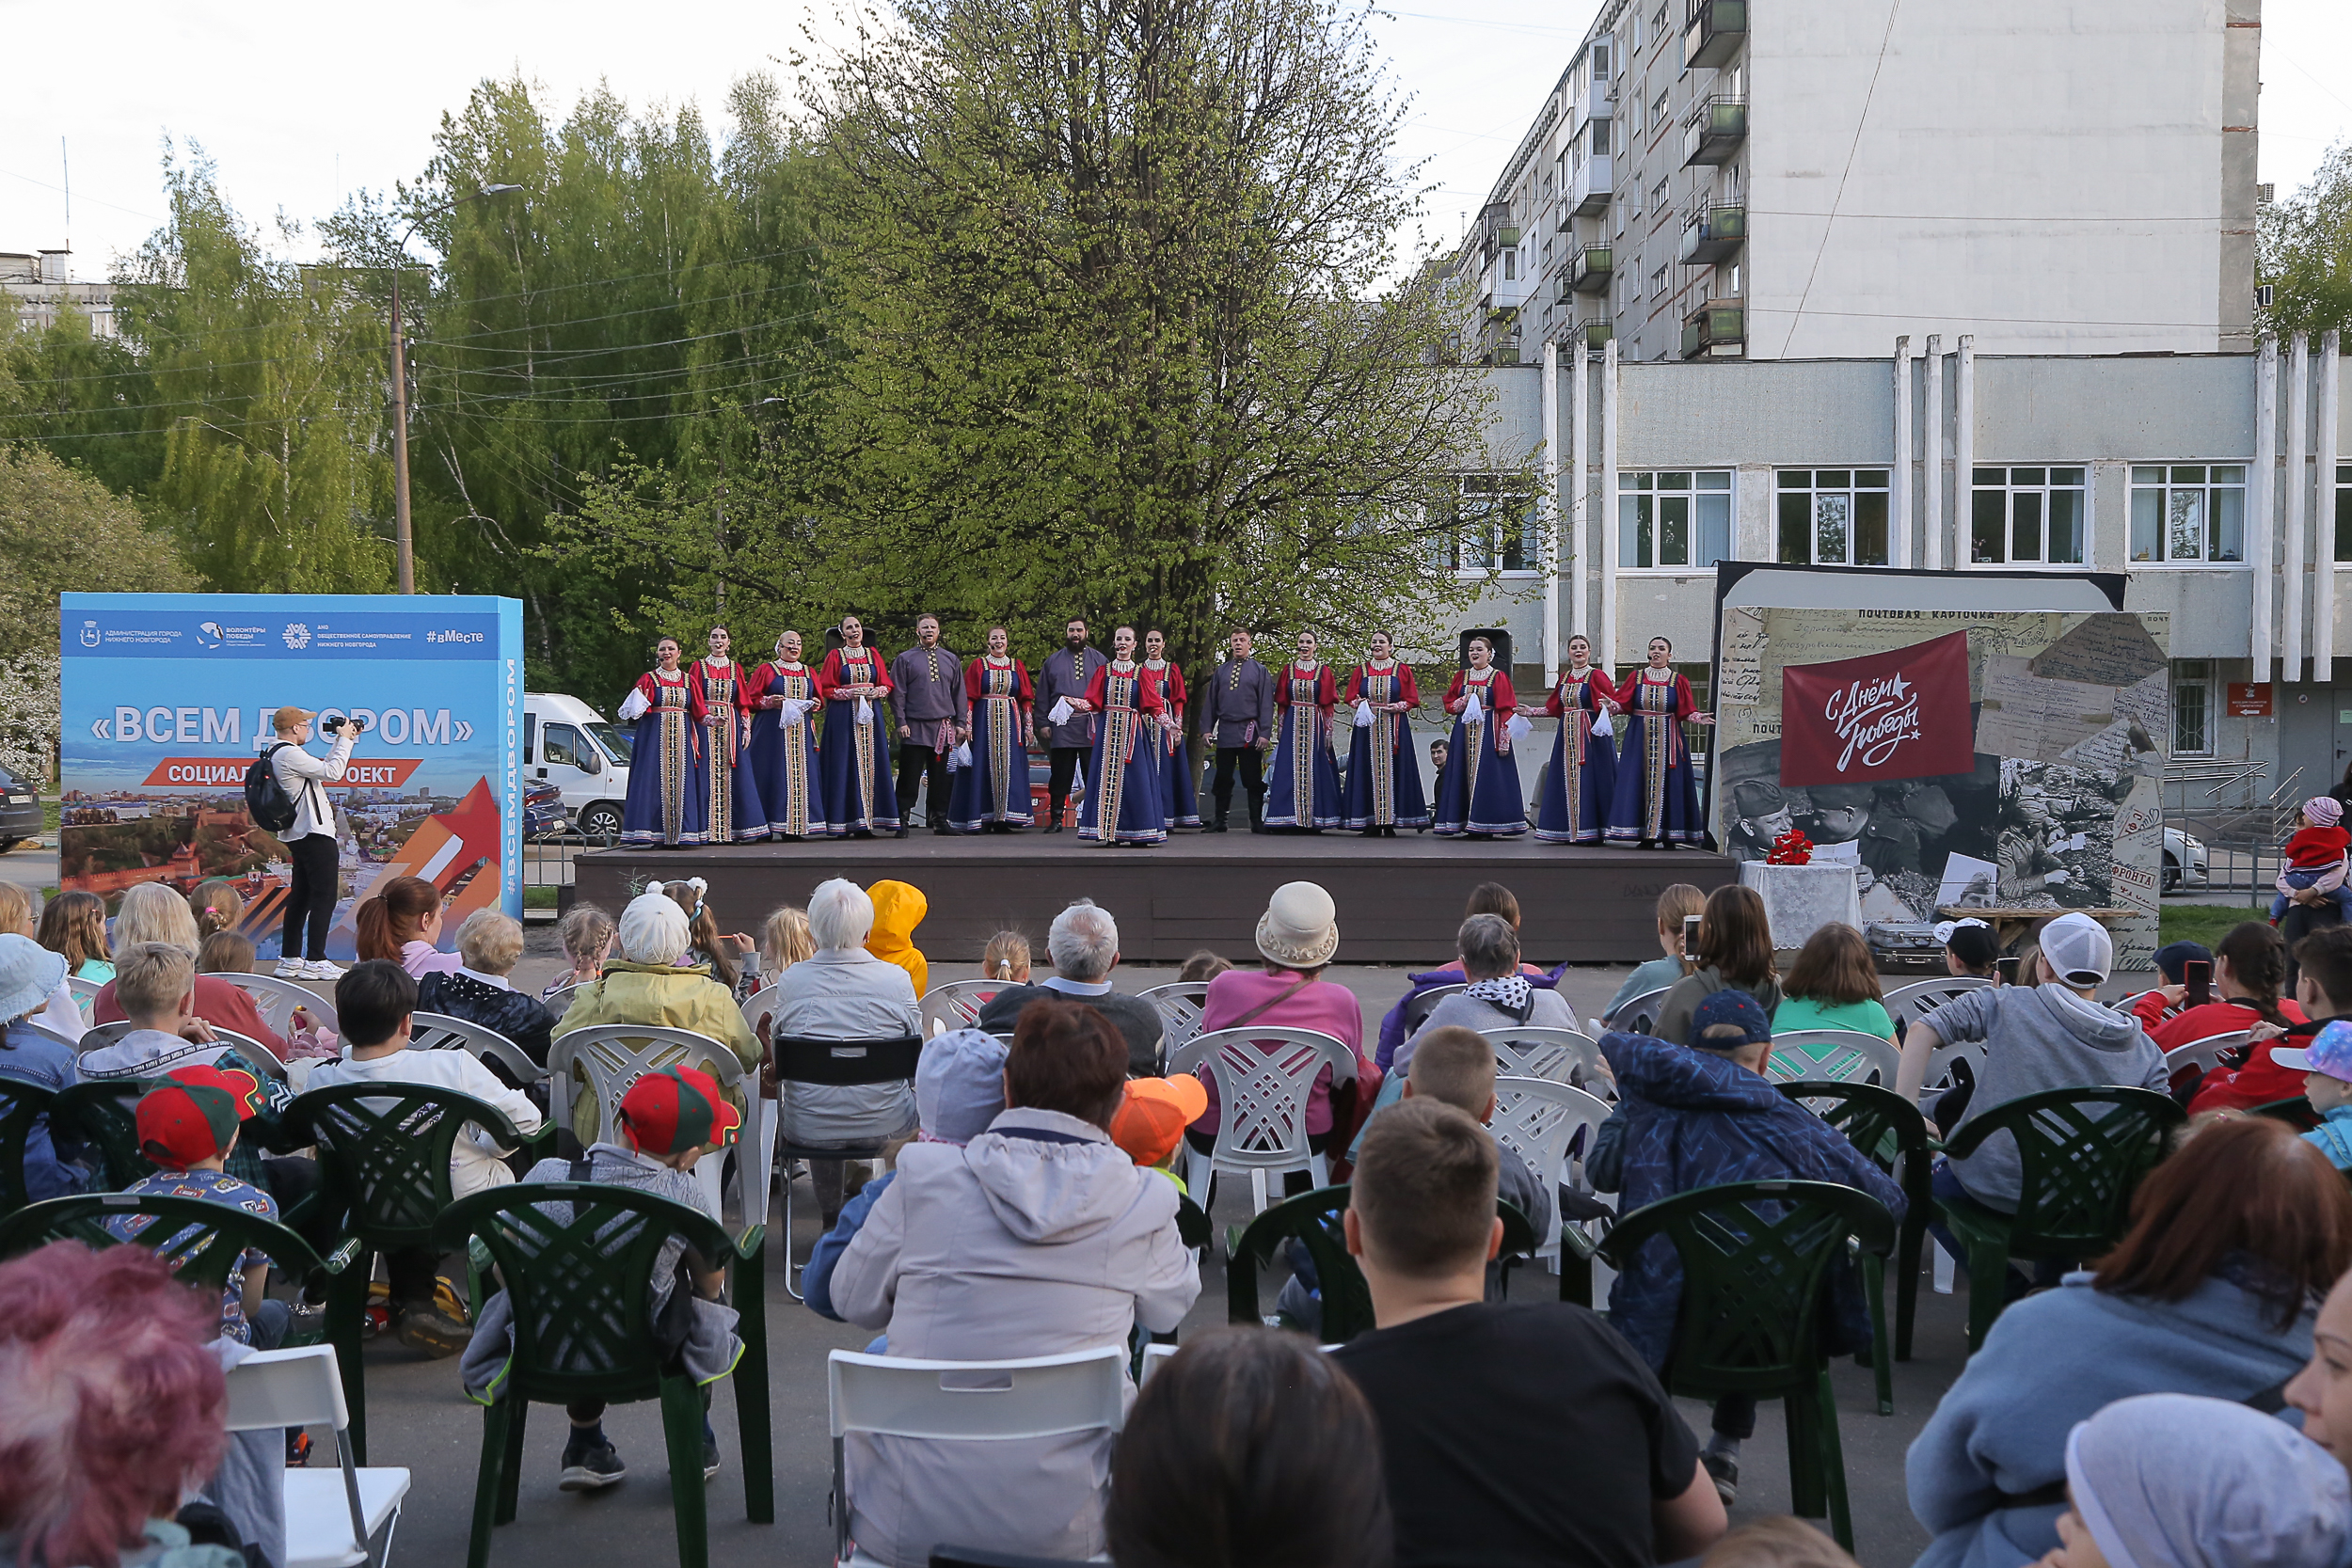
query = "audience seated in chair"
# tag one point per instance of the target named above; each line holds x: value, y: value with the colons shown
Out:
x: 2250, y: 968
x: 842, y: 992
x: 586, y: 932
x: 112, y: 1409
x: 1833, y: 984
x: 1486, y: 899
x: 490, y: 945
x: 667, y: 1121
x: 2210, y: 1293
x: 1701, y: 1116
x: 2325, y: 1061
x: 1247, y: 1447
x: 1735, y: 953
x: 1486, y: 1406
x: 1677, y: 903
x: 899, y: 909
x: 1083, y: 944
x: 1039, y: 1237
x: 152, y: 912
x: 2171, y: 1480
x: 28, y: 974
x: 376, y: 1001
x: 1497, y: 997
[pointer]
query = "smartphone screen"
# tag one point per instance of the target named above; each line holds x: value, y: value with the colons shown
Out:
x: 2008, y: 970
x: 1690, y: 936
x: 2199, y: 974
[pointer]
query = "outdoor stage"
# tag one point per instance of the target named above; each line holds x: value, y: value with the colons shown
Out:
x: 1400, y: 900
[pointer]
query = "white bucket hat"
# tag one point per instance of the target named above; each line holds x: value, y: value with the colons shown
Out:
x: 29, y: 973
x: 1300, y: 928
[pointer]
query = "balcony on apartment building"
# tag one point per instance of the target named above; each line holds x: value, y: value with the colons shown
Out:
x: 1589, y: 188
x: 1593, y: 332
x: 1716, y: 128
x: 1590, y: 269
x: 1716, y: 31
x: 1713, y: 233
x: 1717, y: 328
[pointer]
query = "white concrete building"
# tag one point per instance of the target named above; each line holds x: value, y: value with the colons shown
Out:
x: 1763, y: 181
x: 39, y: 285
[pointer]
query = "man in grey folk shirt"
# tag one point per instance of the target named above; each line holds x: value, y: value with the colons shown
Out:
x: 1237, y: 717
x: 933, y: 713
x: 1068, y: 670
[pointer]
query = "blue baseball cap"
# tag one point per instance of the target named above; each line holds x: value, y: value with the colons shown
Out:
x: 2329, y: 1052
x: 1736, y: 1007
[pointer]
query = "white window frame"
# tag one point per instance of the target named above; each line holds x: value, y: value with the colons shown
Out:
x: 1632, y: 491
x: 2175, y: 477
x: 2009, y: 489
x: 1530, y: 532
x: 2193, y: 675
x: 1852, y: 488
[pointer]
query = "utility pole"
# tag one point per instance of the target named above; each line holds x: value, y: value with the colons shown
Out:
x: 403, y: 539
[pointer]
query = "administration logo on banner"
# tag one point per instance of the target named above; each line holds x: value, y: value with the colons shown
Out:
x: 1897, y: 715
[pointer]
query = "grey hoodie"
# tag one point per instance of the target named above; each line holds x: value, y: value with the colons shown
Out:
x: 1039, y: 1238
x: 2037, y: 1038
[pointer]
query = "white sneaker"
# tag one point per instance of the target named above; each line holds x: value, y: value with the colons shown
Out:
x: 322, y: 971
x: 292, y: 968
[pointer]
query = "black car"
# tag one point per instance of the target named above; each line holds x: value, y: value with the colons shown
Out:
x: 19, y: 811
x: 543, y: 808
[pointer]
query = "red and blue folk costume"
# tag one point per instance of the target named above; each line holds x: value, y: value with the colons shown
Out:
x: 1657, y: 798
x: 783, y: 763
x: 1122, y: 800
x: 1383, y: 774
x: 1304, y: 792
x: 1179, y: 799
x: 731, y: 809
x: 856, y: 754
x: 1478, y: 794
x: 1574, y: 805
x: 667, y: 789
x: 993, y: 792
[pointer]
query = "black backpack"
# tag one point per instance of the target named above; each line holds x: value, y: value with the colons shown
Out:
x: 265, y: 800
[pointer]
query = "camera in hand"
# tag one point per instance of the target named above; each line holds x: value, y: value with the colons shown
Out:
x: 336, y: 725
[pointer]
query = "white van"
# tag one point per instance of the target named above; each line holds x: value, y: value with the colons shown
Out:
x: 575, y: 748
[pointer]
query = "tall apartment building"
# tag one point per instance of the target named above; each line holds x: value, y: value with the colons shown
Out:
x: 39, y: 285
x: 1759, y: 180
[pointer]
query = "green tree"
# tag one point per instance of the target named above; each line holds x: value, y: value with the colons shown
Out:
x: 2307, y: 251
x: 87, y: 398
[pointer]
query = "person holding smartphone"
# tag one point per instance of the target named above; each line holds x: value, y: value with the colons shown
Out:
x: 311, y: 842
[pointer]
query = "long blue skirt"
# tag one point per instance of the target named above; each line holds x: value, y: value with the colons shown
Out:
x: 860, y: 796
x: 1595, y: 784
x: 734, y: 814
x: 1123, y: 781
x: 669, y: 784
x: 1180, y: 799
x: 1479, y: 791
x: 1384, y: 776
x: 1303, y: 789
x: 995, y: 788
x: 784, y: 767
x: 1657, y: 799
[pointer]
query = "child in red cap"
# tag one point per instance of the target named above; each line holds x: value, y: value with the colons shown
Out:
x: 187, y: 1124
x: 668, y: 1120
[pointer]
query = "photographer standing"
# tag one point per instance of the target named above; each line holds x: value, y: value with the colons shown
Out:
x: 311, y: 842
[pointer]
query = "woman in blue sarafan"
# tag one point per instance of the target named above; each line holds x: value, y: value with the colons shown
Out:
x: 783, y: 753
x: 668, y: 782
x: 1303, y: 792
x: 1657, y: 803
x: 1383, y: 771
x: 855, y: 753
x: 993, y: 795
x: 1478, y: 794
x: 733, y: 814
x: 1179, y: 801
x: 1123, y: 803
x: 1573, y: 807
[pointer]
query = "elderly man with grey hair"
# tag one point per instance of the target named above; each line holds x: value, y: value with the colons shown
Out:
x: 1497, y: 996
x: 843, y: 993
x: 1084, y: 945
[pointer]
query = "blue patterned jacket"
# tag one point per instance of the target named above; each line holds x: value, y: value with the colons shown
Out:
x: 1693, y: 1119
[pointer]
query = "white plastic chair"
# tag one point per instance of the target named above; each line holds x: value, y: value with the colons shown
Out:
x: 1418, y: 1007
x: 253, y: 1050
x: 2206, y: 1052
x: 1264, y: 1075
x: 966, y: 1402
x: 330, y: 1517
x: 1907, y: 1004
x: 615, y: 1055
x: 1537, y: 1120
x: 1154, y: 1356
x: 276, y: 1000
x: 1180, y: 1004
x: 1839, y: 1055
x: 560, y: 998
x: 85, y: 993
x: 1563, y: 1056
x: 957, y: 1003
x: 441, y: 1032
x: 1639, y: 1015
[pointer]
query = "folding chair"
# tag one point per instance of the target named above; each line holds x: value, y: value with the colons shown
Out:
x: 276, y: 1000
x: 835, y: 1064
x: 331, y: 1518
x: 1263, y: 1075
x: 1837, y: 1055
x: 612, y: 1057
x: 1180, y: 1004
x: 956, y: 1004
x: 969, y: 1401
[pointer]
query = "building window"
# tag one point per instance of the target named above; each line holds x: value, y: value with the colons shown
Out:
x: 2189, y: 512
x: 1510, y: 267
x: 1600, y: 137
x: 1657, y: 24
x: 1833, y: 516
x: 2028, y: 516
x: 1495, y: 526
x: 1658, y: 111
x: 2192, y: 707
x: 1673, y: 519
x: 1658, y: 283
x: 2343, y: 512
x: 1658, y: 197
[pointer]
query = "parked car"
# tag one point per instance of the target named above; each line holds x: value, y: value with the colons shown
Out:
x: 543, y: 808
x: 19, y: 811
x: 2183, y: 861
x: 586, y: 757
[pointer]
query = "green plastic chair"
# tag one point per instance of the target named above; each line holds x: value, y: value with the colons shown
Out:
x: 1346, y: 1299
x: 22, y: 1107
x: 577, y: 1260
x: 2296, y: 1112
x: 105, y: 1114
x: 202, y: 1239
x: 384, y: 1150
x: 2081, y: 1152
x: 1755, y: 1258
x: 1892, y: 1134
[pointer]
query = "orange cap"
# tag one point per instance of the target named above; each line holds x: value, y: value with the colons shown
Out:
x: 1152, y: 1119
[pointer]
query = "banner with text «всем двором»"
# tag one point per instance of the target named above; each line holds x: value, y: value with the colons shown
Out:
x: 168, y: 697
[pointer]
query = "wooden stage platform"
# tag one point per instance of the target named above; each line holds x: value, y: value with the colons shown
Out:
x: 1400, y: 900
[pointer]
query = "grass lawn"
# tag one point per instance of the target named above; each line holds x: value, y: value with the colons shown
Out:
x: 2204, y: 923
x: 541, y: 897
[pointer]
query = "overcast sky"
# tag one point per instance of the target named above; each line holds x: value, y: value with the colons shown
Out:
x: 300, y: 103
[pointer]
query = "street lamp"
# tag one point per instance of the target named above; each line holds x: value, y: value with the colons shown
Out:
x: 404, y: 537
